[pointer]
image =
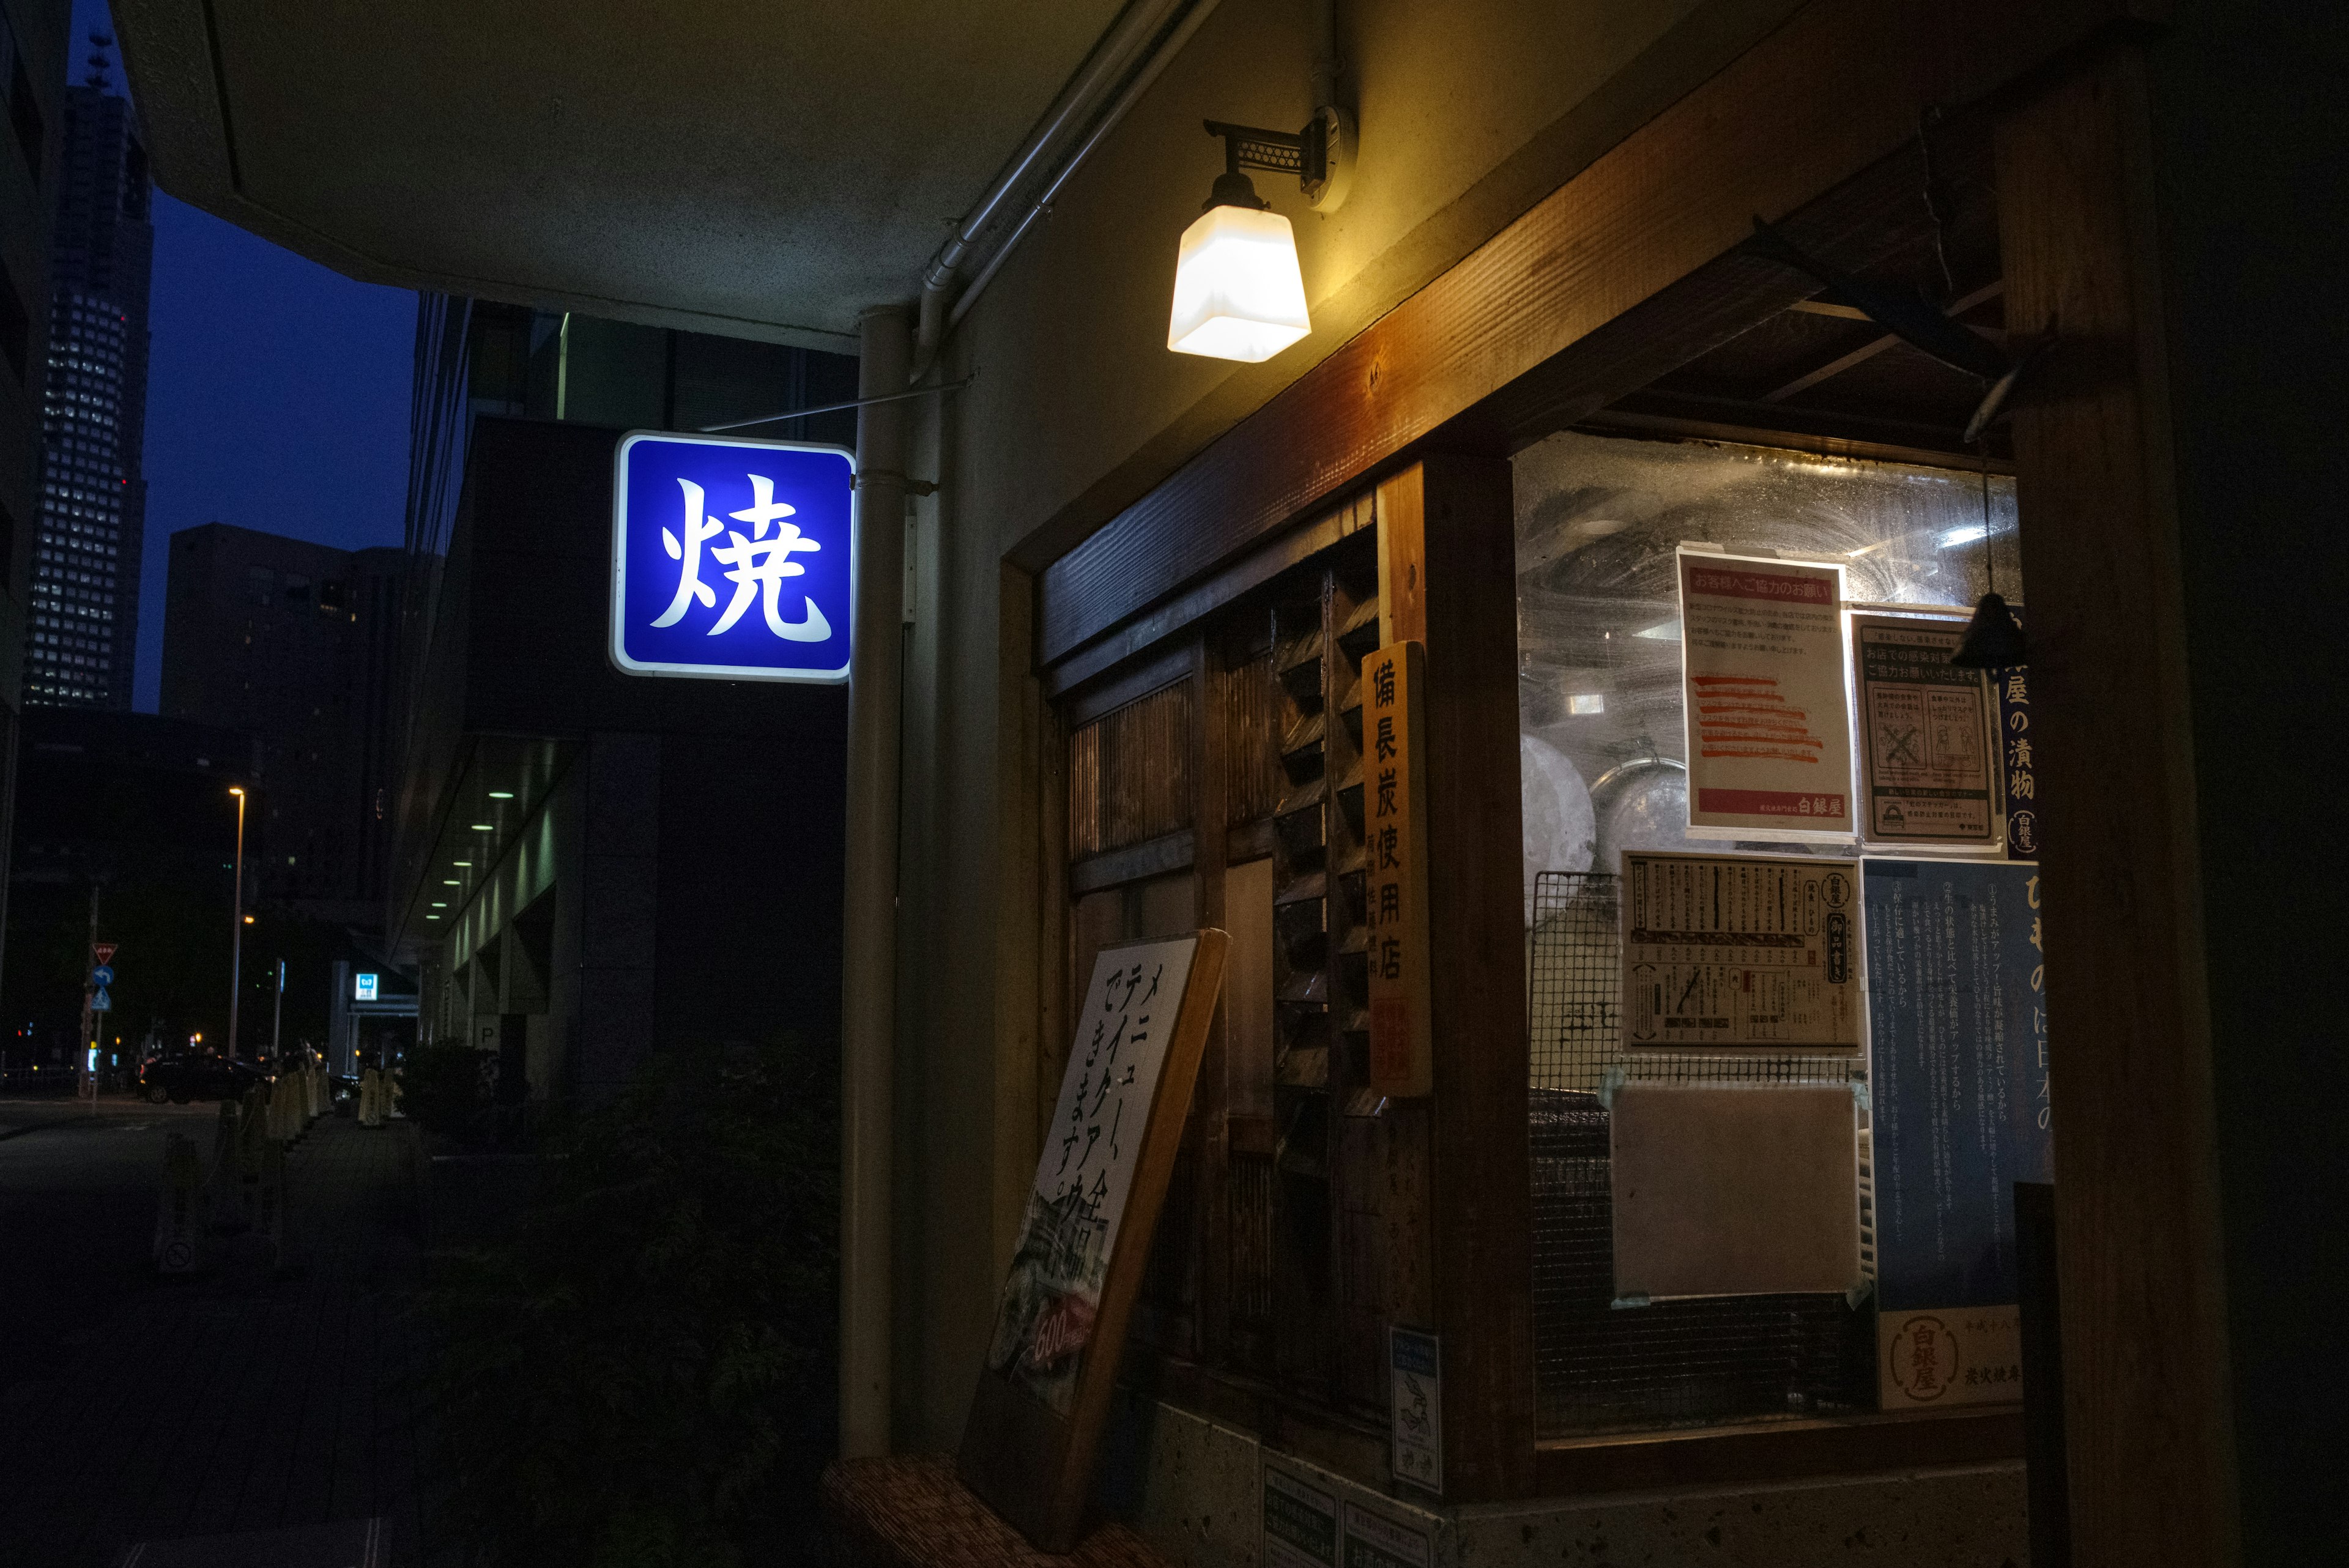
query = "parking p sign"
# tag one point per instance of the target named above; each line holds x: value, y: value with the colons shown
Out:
x: 732, y: 560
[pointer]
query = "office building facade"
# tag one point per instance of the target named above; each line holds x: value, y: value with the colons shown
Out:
x: 32, y: 89
x: 83, y: 634
x: 588, y: 863
x: 292, y: 642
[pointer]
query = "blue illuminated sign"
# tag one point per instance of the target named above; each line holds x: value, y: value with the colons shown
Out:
x: 732, y: 559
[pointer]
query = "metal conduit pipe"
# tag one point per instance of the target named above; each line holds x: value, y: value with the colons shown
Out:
x: 1135, y: 88
x: 868, y: 1016
x: 1079, y: 103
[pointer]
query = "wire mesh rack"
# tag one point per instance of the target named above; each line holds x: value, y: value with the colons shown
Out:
x: 1678, y: 1363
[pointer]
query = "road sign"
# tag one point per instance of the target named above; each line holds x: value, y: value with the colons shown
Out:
x: 105, y: 950
x: 102, y: 975
x: 101, y: 1002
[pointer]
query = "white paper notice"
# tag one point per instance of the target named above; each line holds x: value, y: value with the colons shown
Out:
x: 1762, y: 667
x: 1740, y: 951
x: 1926, y: 765
x: 1415, y: 1403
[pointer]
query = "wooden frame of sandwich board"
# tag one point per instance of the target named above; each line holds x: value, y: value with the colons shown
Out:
x: 1628, y: 270
x: 1032, y: 1462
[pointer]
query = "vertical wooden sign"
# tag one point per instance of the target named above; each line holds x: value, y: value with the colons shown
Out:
x: 1043, y: 1398
x: 1394, y: 821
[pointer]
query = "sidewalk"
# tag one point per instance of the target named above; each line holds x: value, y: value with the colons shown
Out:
x: 231, y: 1403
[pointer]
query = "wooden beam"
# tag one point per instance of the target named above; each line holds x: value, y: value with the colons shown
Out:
x: 1757, y: 432
x: 1870, y: 349
x: 1447, y: 541
x: 1134, y: 863
x: 1833, y: 91
x: 2147, y: 1408
x: 1749, y: 1452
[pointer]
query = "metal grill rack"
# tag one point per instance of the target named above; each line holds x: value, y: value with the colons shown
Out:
x: 1678, y: 1363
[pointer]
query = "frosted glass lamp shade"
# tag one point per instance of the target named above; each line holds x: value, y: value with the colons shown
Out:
x: 1237, y: 292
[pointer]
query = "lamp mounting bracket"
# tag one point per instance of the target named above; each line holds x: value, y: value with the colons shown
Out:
x: 1317, y: 155
x: 1247, y: 146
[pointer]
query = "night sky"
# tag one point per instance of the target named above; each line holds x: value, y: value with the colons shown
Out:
x: 277, y: 393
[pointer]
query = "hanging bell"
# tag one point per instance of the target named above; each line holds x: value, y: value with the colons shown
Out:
x: 1993, y: 638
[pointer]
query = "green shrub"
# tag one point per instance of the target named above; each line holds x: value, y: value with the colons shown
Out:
x: 444, y: 1088
x: 643, y: 1373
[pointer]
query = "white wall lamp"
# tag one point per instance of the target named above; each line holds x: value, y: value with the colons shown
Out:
x: 1239, y: 294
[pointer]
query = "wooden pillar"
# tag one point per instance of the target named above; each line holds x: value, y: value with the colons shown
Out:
x: 2147, y: 1402
x: 1448, y: 576
x: 1210, y: 1132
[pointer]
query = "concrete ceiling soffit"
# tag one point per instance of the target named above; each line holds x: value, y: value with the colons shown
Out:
x: 759, y: 170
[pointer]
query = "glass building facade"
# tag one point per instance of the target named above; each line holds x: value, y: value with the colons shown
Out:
x: 83, y: 626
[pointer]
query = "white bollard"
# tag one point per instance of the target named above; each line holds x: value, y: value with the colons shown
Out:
x: 178, y: 1210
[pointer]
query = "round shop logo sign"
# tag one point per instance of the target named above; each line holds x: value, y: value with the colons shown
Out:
x: 1836, y: 888
x: 1924, y: 1360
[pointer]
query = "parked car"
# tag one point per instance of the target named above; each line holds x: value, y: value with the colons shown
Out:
x: 180, y: 1079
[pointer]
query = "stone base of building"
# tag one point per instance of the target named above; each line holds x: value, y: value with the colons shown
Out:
x: 1195, y: 1491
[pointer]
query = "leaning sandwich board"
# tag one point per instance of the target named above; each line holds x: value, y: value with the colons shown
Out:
x: 1043, y: 1398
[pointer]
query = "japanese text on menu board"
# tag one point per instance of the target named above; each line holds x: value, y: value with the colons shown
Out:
x: 1740, y: 951
x: 1395, y: 894
x: 1045, y: 1318
x: 1762, y: 658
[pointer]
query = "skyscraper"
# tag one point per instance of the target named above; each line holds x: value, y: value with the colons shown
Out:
x: 32, y: 48
x: 84, y: 600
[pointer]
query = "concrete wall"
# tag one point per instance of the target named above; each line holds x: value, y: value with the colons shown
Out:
x: 1470, y: 113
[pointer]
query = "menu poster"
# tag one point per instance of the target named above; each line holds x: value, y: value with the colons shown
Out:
x: 1958, y: 1060
x: 1043, y: 1401
x: 1928, y: 768
x: 1075, y: 1210
x: 1742, y: 952
x: 1762, y: 662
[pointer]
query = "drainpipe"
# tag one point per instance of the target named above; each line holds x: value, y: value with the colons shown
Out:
x: 869, y: 923
x: 1135, y: 32
x: 1136, y: 84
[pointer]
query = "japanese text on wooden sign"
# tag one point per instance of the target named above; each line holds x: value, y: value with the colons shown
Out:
x: 1394, y: 823
x: 2019, y: 768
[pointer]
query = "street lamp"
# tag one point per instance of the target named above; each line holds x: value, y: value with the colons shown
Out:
x: 236, y: 926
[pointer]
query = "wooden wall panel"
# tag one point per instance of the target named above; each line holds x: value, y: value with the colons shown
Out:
x: 1249, y: 715
x: 1130, y: 773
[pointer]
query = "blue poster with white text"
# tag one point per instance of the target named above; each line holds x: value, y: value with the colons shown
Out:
x: 1958, y: 1064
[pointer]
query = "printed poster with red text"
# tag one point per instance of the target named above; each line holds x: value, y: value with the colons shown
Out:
x: 1762, y: 666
